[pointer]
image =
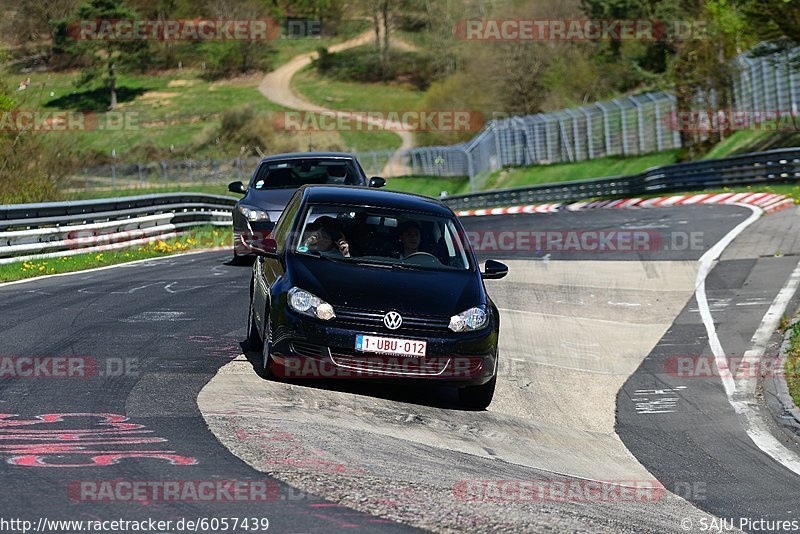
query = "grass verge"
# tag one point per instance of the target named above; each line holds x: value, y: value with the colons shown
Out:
x: 793, y: 364
x: 353, y: 96
x: 221, y: 189
x: 583, y: 170
x: 430, y: 186
x: 200, y: 238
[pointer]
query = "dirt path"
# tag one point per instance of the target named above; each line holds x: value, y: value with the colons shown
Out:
x: 276, y: 86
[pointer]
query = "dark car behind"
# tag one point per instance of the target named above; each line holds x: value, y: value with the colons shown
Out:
x: 275, y: 180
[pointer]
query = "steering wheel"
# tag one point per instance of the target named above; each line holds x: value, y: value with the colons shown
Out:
x: 422, y: 258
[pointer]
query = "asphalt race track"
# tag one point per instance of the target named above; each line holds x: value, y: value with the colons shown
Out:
x: 163, y: 392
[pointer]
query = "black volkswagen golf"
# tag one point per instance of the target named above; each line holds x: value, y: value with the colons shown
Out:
x: 360, y: 283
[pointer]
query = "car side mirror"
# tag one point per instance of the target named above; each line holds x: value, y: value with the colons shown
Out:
x: 237, y: 187
x: 494, y: 270
x: 377, y: 181
x: 265, y: 247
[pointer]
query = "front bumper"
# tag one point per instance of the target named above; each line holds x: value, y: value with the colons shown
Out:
x: 304, y: 347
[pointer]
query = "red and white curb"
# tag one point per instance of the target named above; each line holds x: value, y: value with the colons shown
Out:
x: 769, y: 202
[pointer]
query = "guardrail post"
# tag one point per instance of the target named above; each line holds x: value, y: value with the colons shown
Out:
x: 606, y: 129
x: 470, y: 170
x: 639, y: 124
x: 589, y: 141
x: 139, y: 172
x: 624, y: 127
x: 659, y: 120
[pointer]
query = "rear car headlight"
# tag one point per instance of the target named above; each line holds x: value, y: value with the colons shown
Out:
x: 472, y: 319
x: 306, y: 303
x: 253, y: 214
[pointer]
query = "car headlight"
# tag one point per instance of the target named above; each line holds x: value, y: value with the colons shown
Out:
x: 253, y: 214
x: 306, y: 303
x: 472, y: 319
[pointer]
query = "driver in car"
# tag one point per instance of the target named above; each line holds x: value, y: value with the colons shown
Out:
x: 410, y: 238
x: 326, y: 239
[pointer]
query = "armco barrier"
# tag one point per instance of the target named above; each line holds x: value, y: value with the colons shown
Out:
x: 54, y: 229
x: 771, y: 167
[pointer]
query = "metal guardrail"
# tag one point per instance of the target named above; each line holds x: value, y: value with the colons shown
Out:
x: 55, y: 229
x: 774, y: 166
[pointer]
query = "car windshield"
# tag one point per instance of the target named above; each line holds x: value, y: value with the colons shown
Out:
x: 296, y: 172
x: 382, y: 237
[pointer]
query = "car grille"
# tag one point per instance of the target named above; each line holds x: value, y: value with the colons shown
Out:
x: 372, y: 319
x: 390, y: 365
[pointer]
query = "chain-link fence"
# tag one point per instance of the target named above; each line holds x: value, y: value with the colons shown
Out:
x: 190, y: 173
x: 625, y: 126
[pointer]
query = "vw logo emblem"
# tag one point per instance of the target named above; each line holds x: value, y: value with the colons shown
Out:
x: 392, y: 320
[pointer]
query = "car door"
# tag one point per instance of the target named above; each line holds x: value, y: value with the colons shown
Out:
x: 268, y: 270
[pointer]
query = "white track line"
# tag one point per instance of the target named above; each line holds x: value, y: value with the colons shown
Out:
x: 742, y: 398
x: 106, y: 267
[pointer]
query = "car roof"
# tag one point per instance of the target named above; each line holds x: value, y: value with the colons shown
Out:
x: 369, y: 196
x: 309, y: 155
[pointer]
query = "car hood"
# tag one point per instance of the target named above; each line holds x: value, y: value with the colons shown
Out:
x: 270, y: 200
x: 423, y: 292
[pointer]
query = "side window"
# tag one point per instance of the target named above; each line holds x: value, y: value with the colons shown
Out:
x: 284, y: 224
x: 261, y: 172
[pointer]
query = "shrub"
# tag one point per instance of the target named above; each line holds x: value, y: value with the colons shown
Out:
x: 364, y: 65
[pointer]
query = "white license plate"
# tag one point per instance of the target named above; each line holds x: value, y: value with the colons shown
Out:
x: 391, y: 345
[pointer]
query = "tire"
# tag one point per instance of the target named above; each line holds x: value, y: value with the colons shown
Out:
x: 477, y: 397
x: 266, y: 367
x: 254, y: 341
x: 240, y: 260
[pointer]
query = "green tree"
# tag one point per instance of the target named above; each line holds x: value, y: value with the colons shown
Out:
x: 103, y: 56
x: 703, y: 67
x: 775, y: 19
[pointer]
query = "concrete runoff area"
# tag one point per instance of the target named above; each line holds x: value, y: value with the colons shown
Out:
x: 571, y: 334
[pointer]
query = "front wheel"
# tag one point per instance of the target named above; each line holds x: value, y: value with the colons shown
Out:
x: 266, y: 366
x: 477, y: 397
